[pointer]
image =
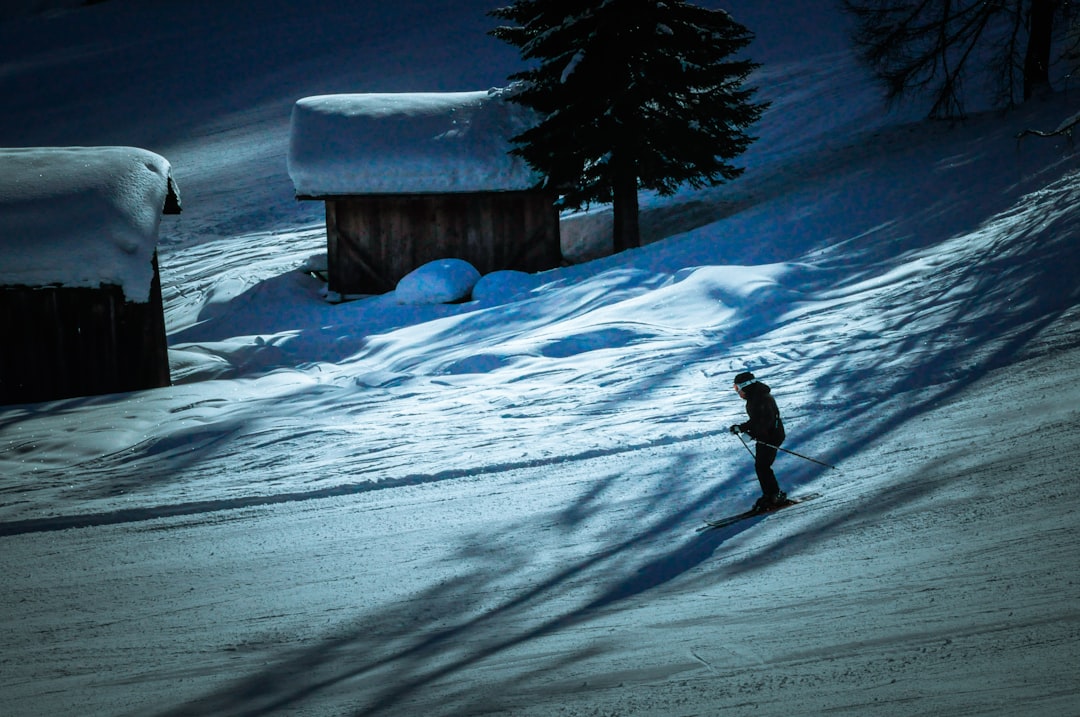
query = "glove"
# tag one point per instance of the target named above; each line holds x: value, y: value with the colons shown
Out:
x: 735, y: 430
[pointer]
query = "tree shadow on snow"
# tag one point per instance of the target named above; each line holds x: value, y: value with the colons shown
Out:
x: 476, y: 642
x: 440, y: 652
x: 447, y: 658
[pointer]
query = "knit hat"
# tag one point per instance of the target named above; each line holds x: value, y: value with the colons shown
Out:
x: 744, y: 379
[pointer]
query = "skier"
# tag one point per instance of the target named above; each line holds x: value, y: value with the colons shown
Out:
x: 765, y: 427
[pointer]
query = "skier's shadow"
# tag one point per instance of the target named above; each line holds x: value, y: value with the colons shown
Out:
x: 695, y: 550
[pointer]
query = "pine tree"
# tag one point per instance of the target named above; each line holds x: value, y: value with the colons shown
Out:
x: 632, y: 94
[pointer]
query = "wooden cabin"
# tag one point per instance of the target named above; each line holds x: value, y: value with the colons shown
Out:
x: 413, y: 178
x: 80, y: 293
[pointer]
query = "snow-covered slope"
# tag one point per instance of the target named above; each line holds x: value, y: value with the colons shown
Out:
x: 382, y: 508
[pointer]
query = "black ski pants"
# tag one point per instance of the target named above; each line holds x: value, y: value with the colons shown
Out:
x: 764, y: 456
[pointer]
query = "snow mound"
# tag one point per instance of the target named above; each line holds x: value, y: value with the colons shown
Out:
x: 81, y: 217
x: 402, y: 143
x: 503, y: 286
x: 442, y: 281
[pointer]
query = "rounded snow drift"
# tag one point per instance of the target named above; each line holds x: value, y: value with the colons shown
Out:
x: 504, y: 285
x: 442, y: 281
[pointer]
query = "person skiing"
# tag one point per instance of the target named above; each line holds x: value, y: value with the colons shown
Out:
x: 765, y: 427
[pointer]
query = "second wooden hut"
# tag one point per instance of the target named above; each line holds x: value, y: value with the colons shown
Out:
x: 415, y: 177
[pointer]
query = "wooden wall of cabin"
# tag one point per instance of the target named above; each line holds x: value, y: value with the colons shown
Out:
x: 65, y: 342
x: 374, y: 241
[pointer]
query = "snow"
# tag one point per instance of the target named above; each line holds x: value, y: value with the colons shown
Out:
x: 490, y: 507
x: 407, y: 143
x: 442, y: 281
x: 81, y: 217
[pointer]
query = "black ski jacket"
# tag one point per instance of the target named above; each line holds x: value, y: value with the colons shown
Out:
x: 765, y: 423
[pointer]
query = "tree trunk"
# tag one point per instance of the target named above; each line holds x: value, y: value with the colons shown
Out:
x: 1037, y: 57
x: 627, y: 230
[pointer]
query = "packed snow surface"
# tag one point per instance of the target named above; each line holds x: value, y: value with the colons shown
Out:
x: 492, y: 507
x: 81, y: 217
x: 402, y: 143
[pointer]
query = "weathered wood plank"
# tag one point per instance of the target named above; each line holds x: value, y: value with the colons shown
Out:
x: 373, y: 241
x: 63, y: 342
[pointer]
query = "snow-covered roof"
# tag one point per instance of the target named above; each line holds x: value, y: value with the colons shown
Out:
x: 82, y: 216
x: 407, y: 143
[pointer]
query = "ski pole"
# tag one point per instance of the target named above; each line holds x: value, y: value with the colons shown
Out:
x: 785, y: 450
x: 746, y: 446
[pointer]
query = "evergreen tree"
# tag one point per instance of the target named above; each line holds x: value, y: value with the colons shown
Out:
x: 632, y: 94
x: 937, y: 46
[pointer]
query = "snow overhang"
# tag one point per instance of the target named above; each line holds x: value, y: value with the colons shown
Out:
x: 407, y: 143
x: 82, y: 217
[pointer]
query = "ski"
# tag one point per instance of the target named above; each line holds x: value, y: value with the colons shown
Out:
x: 732, y: 519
